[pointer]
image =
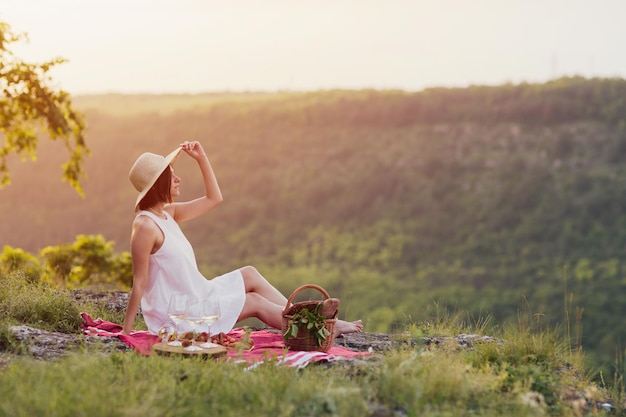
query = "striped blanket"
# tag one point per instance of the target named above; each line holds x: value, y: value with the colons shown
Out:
x: 268, y: 346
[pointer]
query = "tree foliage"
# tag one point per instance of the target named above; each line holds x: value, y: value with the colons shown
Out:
x: 89, y: 261
x: 15, y: 259
x: 29, y: 106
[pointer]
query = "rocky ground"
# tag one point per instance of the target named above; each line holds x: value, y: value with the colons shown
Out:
x: 47, y: 345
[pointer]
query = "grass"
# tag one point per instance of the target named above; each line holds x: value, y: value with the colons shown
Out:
x: 38, y: 305
x: 532, y: 372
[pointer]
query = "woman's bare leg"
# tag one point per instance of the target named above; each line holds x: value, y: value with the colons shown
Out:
x: 255, y: 282
x: 272, y: 314
x: 266, y: 303
x: 263, y: 309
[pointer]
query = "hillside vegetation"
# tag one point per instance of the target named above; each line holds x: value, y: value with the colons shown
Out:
x: 479, y: 200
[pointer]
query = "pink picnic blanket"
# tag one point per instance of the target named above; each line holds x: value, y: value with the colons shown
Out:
x: 267, y: 345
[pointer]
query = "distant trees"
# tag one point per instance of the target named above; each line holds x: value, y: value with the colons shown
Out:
x: 28, y: 106
x: 89, y: 261
x: 15, y: 259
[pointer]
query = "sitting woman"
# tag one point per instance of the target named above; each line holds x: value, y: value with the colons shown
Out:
x: 164, y: 262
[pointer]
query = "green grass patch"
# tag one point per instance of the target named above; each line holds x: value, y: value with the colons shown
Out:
x: 411, y: 382
x: 130, y: 385
x: 37, y: 305
x: 528, y: 370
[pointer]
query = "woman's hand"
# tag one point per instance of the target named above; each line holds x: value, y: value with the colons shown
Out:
x: 193, y: 149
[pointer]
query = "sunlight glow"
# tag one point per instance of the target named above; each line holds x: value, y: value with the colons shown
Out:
x: 203, y: 45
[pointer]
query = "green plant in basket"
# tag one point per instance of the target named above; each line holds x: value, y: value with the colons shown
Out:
x: 312, y: 321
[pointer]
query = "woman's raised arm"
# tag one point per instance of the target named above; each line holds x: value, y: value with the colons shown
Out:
x: 182, y: 211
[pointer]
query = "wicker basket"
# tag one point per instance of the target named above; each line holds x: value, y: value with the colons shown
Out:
x: 305, y: 340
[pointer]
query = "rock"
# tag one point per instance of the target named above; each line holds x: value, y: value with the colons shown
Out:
x: 380, y: 342
x: 462, y: 340
x: 46, y: 345
x: 113, y: 300
x: 373, y: 342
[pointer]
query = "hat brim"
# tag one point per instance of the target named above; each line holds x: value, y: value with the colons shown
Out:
x: 167, y: 161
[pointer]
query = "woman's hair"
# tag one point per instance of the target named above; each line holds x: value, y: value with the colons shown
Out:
x: 160, y: 191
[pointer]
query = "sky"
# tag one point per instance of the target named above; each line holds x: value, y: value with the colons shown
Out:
x: 195, y: 46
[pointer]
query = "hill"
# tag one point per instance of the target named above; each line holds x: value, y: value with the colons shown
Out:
x: 486, y: 199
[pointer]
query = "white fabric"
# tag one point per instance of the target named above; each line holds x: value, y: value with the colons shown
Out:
x: 173, y: 269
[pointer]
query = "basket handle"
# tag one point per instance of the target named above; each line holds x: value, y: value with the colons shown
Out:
x: 302, y: 288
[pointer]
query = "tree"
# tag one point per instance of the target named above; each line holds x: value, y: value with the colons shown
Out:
x: 29, y: 106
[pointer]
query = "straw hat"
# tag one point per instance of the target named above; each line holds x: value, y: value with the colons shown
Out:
x: 147, y: 169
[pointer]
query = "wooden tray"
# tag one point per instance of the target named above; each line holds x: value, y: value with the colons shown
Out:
x: 165, y: 349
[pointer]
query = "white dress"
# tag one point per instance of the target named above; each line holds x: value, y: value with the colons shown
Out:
x: 173, y: 269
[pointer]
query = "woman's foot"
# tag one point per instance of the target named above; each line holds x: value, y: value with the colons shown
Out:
x: 343, y: 327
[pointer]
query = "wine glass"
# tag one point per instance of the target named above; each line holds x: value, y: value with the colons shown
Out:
x: 195, y: 317
x: 177, y: 311
x: 211, y: 309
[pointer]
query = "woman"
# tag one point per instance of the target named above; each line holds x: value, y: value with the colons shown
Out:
x: 164, y: 261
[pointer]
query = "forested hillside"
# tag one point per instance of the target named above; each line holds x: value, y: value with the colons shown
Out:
x: 484, y: 199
